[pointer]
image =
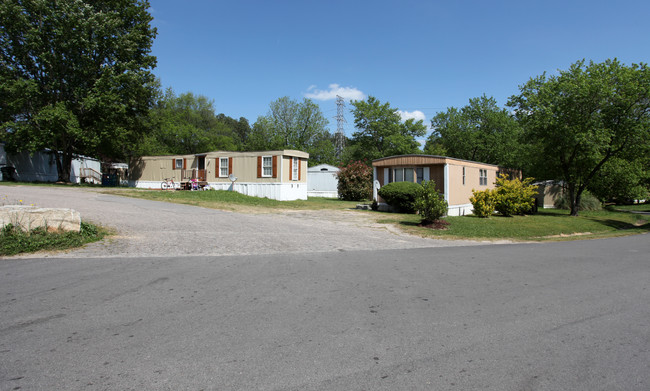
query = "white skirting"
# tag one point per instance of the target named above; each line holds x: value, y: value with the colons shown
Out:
x: 325, y: 194
x: 460, y: 210
x: 274, y: 191
x: 454, y: 210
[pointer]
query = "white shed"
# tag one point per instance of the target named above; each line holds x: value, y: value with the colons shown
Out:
x: 322, y: 181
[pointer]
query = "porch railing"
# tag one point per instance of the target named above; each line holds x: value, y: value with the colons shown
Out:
x: 90, y: 175
x: 193, y: 173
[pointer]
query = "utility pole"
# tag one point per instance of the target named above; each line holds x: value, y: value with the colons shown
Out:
x: 340, y: 120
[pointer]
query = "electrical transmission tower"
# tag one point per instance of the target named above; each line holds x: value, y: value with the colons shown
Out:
x: 340, y: 120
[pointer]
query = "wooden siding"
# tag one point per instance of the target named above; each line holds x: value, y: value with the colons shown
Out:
x: 409, y: 160
x: 425, y: 160
x: 437, y: 174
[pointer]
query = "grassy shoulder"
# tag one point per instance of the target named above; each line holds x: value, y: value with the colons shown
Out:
x: 233, y: 201
x: 14, y: 241
x: 631, y: 208
x: 547, y: 224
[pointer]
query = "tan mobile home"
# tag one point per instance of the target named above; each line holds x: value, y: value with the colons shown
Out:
x: 455, y: 178
x: 279, y: 175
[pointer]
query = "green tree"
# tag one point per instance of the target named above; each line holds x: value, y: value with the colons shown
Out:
x: 582, y: 118
x: 241, y: 128
x: 294, y: 125
x: 187, y: 124
x: 480, y: 131
x: 381, y: 132
x: 622, y: 180
x: 75, y: 77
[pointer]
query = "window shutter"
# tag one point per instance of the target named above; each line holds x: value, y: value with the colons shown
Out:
x: 291, y: 170
x: 299, y: 169
x: 184, y: 164
x: 259, y: 166
x: 275, y: 166
x: 217, y: 171
x: 173, y: 164
x: 229, y: 166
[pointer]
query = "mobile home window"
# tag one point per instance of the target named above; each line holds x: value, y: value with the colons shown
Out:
x: 407, y: 174
x: 267, y: 166
x: 419, y: 171
x: 178, y: 164
x: 223, y: 167
x: 295, y: 168
x: 399, y: 175
x: 483, y: 177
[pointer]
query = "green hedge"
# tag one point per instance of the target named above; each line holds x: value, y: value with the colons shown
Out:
x: 400, y: 195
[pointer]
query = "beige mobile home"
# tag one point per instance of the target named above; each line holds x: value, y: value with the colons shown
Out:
x: 455, y: 178
x: 279, y: 175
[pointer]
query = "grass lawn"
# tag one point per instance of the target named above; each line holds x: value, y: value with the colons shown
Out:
x: 631, y: 208
x: 233, y: 201
x: 548, y: 224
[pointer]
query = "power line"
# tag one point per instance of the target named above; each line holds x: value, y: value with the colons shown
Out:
x: 340, y: 120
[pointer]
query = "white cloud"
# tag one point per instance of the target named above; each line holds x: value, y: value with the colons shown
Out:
x: 416, y: 115
x: 347, y: 93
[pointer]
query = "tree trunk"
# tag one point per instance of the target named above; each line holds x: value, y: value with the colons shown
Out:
x: 574, y: 200
x: 63, y: 165
x: 575, y: 207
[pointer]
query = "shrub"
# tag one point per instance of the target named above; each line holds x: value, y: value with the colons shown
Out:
x: 14, y: 240
x: 587, y: 202
x: 430, y: 204
x: 483, y: 202
x: 355, y: 182
x: 400, y: 195
x: 513, y: 196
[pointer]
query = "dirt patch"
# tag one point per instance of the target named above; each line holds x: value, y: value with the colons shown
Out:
x: 437, y: 225
x: 566, y: 235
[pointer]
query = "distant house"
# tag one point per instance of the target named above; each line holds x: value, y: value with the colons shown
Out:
x: 279, y: 175
x: 323, y: 181
x: 455, y: 178
x: 41, y: 167
x: 548, y: 192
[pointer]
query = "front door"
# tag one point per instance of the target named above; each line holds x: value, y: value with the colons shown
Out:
x: 201, y: 168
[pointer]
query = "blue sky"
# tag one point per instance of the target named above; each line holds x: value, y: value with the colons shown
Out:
x: 421, y: 56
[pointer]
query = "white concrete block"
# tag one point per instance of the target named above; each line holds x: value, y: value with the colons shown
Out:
x: 30, y: 217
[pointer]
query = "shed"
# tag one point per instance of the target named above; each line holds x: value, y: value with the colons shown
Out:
x: 323, y: 181
x: 548, y: 192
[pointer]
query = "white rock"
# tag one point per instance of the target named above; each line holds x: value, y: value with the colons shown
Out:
x: 30, y: 217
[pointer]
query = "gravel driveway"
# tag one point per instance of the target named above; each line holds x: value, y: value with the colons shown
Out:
x: 152, y: 228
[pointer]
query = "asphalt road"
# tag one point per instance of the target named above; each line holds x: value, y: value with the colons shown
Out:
x: 551, y: 316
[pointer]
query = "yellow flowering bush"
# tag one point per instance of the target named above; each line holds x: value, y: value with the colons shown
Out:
x: 513, y: 196
x: 483, y: 202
